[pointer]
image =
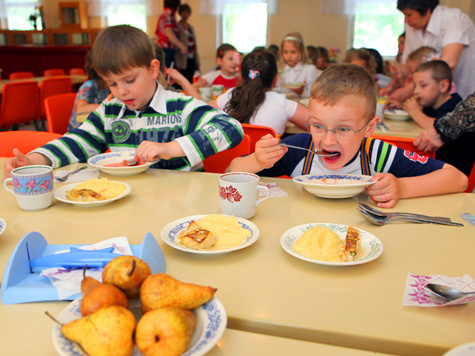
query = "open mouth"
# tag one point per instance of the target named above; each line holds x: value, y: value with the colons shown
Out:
x: 334, y: 158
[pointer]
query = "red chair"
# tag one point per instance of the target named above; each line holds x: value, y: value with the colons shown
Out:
x: 471, y: 180
x: 56, y: 72
x: 20, y: 104
x: 25, y: 141
x: 218, y: 162
x: 256, y: 132
x: 405, y: 143
x: 58, y: 112
x: 77, y: 71
x: 20, y: 75
x: 50, y: 87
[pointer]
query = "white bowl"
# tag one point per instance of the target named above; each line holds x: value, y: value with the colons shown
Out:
x: 333, y: 185
x: 113, y: 157
x: 293, y: 85
x: 401, y: 115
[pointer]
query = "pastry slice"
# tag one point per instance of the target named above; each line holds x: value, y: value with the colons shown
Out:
x: 352, y: 243
x: 197, y: 238
x: 84, y: 195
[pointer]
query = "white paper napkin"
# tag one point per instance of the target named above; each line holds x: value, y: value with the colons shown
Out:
x: 416, y: 293
x: 275, y: 190
x: 68, y: 282
x: 81, y: 176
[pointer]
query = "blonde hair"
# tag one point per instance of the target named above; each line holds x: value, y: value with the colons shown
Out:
x: 422, y: 55
x: 363, y: 54
x: 297, y: 39
x: 340, y: 80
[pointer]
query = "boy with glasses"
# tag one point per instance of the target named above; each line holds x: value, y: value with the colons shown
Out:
x: 341, y: 119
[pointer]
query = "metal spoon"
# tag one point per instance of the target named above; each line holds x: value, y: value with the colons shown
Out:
x: 66, y: 176
x: 447, y: 292
x: 318, y: 153
x: 375, y: 211
x: 380, y: 220
x: 131, y: 162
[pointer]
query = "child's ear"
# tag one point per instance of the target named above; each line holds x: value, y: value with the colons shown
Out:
x: 372, y: 126
x: 155, y: 68
x: 444, y: 86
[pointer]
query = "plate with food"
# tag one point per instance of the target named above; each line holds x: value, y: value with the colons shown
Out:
x: 297, y: 85
x: 211, y: 320
x: 401, y: 115
x: 331, y: 244
x: 92, y: 193
x: 333, y: 185
x: 212, y: 234
x: 3, y: 226
x: 113, y: 163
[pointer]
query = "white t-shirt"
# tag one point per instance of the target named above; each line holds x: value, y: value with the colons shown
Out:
x: 301, y: 73
x: 274, y: 112
x: 446, y: 26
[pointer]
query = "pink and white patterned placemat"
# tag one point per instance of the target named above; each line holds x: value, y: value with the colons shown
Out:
x: 416, y: 293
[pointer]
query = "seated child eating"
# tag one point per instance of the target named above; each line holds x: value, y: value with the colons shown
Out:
x: 342, y: 109
x: 140, y: 116
x: 432, y: 100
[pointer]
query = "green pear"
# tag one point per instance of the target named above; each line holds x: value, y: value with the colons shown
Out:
x: 165, y: 332
x: 162, y: 290
x: 126, y: 273
x: 108, y: 331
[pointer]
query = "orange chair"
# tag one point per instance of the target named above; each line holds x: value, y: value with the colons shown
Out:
x: 77, y: 71
x: 50, y: 87
x: 218, y: 162
x: 403, y: 142
x: 58, y: 112
x: 56, y: 72
x: 255, y: 132
x: 20, y: 75
x: 25, y: 141
x: 20, y: 104
x: 471, y: 180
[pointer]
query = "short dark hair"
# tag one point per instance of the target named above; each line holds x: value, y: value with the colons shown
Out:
x: 439, y: 69
x: 183, y: 8
x: 225, y: 47
x: 421, y: 6
x: 173, y: 4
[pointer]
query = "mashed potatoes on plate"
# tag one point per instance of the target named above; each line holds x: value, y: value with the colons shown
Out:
x: 96, y: 189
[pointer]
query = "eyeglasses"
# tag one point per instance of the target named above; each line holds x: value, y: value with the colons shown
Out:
x: 342, y: 132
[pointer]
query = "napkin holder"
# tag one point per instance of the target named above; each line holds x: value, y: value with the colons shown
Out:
x: 19, y: 285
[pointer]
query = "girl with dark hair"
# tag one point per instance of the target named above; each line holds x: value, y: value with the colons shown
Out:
x: 253, y: 101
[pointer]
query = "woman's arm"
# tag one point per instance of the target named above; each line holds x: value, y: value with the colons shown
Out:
x: 451, y: 54
x: 173, y: 39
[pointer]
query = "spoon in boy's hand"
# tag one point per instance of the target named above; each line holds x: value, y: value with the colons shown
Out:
x: 318, y: 153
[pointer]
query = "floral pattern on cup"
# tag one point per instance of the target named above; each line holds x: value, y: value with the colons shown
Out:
x: 230, y: 194
x: 38, y: 185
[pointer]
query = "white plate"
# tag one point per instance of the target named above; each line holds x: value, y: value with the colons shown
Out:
x: 113, y: 157
x: 171, y: 231
x: 401, y: 115
x: 372, y: 246
x: 293, y: 85
x: 3, y: 226
x: 462, y: 350
x: 334, y: 185
x: 211, y: 320
x: 60, y: 194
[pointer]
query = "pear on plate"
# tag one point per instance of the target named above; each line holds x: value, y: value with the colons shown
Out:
x: 165, y: 332
x: 127, y: 273
x: 108, y: 331
x: 101, y: 295
x: 162, y: 290
x: 87, y: 282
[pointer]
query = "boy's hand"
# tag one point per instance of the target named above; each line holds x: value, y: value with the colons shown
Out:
x: 175, y: 76
x: 20, y: 160
x: 149, y: 151
x: 412, y: 106
x: 385, y: 192
x: 268, y: 151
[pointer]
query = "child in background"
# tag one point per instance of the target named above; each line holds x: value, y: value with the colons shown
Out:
x: 363, y: 58
x: 228, y: 61
x: 252, y: 101
x: 342, y: 118
x: 157, y: 123
x: 432, y: 81
x: 90, y: 94
x: 296, y: 69
x: 318, y: 56
x: 381, y: 78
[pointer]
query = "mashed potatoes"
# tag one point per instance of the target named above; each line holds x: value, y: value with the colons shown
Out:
x: 319, y: 243
x: 96, y: 189
x: 227, y: 230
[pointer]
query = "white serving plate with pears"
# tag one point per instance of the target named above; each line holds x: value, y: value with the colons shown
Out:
x: 211, y: 320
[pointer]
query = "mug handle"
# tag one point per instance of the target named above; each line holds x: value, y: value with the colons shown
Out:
x: 5, y: 185
x: 267, y: 196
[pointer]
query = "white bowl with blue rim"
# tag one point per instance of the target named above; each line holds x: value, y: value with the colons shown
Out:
x: 334, y: 185
x: 101, y: 160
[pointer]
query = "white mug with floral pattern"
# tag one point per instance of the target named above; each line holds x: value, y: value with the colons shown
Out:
x: 239, y: 194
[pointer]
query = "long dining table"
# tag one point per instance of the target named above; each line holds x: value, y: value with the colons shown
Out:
x: 268, y: 294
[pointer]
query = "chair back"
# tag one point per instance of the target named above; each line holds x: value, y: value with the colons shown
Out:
x: 77, y: 71
x: 20, y: 75
x: 20, y: 103
x: 256, y: 132
x: 218, y: 162
x: 58, y: 112
x: 25, y: 141
x: 53, y: 86
x: 54, y: 72
x: 405, y: 143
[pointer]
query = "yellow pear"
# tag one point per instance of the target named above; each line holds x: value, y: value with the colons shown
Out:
x: 102, y: 295
x: 162, y: 290
x: 108, y: 331
x: 87, y: 282
x: 127, y: 273
x: 165, y: 332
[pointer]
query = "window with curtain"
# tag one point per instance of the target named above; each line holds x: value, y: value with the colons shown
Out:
x: 376, y: 23
x: 17, y: 14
